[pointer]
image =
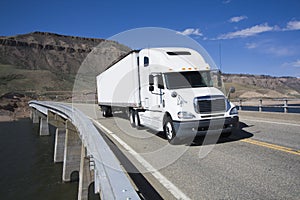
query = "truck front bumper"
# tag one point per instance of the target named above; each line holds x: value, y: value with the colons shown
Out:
x: 203, y: 127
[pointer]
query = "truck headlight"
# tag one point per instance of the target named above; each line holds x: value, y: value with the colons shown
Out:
x: 234, y: 111
x: 185, y: 115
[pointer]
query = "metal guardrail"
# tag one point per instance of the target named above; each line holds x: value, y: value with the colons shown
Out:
x: 259, y: 103
x: 110, y: 179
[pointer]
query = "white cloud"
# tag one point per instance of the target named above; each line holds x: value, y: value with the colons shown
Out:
x: 226, y: 1
x: 254, y: 30
x: 293, y: 25
x: 191, y: 31
x: 270, y: 47
x: 279, y: 51
x: 292, y: 64
x: 251, y: 45
x: 237, y: 19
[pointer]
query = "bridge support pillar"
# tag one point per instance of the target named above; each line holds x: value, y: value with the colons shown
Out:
x: 34, y: 116
x: 86, y: 176
x: 72, y: 152
x: 44, y: 127
x: 59, y: 146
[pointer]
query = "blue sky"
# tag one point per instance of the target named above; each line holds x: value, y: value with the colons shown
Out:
x: 256, y: 37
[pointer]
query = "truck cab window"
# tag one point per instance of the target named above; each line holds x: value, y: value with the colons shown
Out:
x: 146, y: 61
x: 191, y: 79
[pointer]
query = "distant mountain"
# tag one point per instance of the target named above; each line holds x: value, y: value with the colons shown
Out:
x: 40, y: 50
x: 48, y: 61
x: 42, y: 62
x: 262, y: 86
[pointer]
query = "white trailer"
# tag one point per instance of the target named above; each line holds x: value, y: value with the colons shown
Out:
x: 167, y: 89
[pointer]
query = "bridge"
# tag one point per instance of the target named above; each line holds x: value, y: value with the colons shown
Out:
x: 80, y: 147
x: 260, y: 161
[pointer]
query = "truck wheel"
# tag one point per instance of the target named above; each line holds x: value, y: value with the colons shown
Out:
x: 169, y: 129
x: 132, y: 118
x: 106, y: 111
x: 226, y: 134
x: 137, y: 119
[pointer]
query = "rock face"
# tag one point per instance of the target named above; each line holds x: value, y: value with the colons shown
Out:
x: 259, y: 86
x: 13, y: 106
x: 50, y: 51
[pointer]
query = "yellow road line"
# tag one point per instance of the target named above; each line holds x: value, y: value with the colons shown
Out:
x: 272, y: 146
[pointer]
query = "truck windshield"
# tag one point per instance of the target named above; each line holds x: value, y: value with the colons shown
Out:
x: 189, y: 79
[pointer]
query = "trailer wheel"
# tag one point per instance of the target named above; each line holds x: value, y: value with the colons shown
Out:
x: 132, y: 117
x: 169, y: 129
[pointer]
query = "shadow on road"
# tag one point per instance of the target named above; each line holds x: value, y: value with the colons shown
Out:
x: 235, y: 136
x: 200, y: 140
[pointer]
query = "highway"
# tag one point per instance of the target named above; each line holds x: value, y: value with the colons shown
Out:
x: 262, y: 161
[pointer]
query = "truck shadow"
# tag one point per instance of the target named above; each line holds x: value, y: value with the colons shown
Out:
x: 236, y: 135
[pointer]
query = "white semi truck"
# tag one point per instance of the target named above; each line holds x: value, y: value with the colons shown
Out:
x: 173, y: 90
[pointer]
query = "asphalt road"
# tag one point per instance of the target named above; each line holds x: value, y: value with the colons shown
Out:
x: 262, y: 161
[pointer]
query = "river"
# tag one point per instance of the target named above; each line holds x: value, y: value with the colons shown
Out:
x: 27, y: 167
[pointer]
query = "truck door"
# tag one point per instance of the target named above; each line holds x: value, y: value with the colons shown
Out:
x: 156, y: 99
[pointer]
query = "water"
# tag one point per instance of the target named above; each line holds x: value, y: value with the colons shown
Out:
x: 27, y: 169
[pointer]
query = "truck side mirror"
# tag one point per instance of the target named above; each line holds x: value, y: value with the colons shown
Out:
x: 219, y: 78
x: 160, y: 82
x: 151, y: 80
x: 232, y: 90
x: 151, y: 88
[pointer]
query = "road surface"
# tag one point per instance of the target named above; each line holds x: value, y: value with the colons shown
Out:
x: 262, y: 161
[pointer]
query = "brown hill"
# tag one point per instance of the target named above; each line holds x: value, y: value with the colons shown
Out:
x: 44, y: 62
x: 262, y: 86
x: 40, y: 50
x: 41, y: 61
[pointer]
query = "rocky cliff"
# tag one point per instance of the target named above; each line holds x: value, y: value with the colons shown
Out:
x: 262, y: 86
x: 39, y: 50
x: 49, y: 60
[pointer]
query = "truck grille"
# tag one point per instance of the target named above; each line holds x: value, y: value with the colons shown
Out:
x: 209, y: 104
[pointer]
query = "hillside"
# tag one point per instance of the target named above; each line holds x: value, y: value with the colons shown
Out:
x: 42, y: 61
x: 262, y: 86
x: 47, y: 62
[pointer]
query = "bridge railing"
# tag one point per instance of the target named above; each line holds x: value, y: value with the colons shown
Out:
x: 110, y: 180
x: 260, y: 103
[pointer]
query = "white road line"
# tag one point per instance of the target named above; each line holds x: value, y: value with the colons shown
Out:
x: 281, y: 123
x: 103, y: 127
x: 178, y: 194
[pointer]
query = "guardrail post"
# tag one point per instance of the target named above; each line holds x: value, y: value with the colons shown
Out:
x: 260, y: 105
x: 86, y: 177
x: 285, y: 107
x: 72, y: 152
x: 240, y: 104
